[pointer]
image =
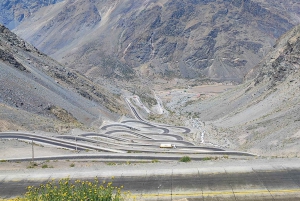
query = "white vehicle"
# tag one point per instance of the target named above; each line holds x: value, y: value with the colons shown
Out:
x: 168, y: 146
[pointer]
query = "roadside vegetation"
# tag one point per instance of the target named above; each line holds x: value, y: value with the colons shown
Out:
x: 185, y: 159
x: 64, y: 189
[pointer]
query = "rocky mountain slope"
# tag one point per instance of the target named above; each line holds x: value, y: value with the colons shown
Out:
x: 37, y: 92
x: 219, y: 39
x: 12, y: 13
x: 263, y: 114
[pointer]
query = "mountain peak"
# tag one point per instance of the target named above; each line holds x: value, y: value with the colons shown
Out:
x: 12, y: 13
x: 220, y: 40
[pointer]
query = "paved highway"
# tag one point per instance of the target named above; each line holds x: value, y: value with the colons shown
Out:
x: 278, y: 180
x: 165, y: 130
x: 161, y: 126
x: 142, y: 136
x: 55, y: 142
x: 132, y: 138
x: 144, y: 146
x: 161, y: 183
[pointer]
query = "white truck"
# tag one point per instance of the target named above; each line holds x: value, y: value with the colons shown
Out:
x: 168, y: 146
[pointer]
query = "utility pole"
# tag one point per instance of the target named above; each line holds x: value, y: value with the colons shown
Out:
x: 76, y: 143
x: 32, y: 151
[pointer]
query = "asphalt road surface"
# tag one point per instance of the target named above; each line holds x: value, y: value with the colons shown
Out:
x: 137, y: 136
x: 140, y: 140
x: 273, y: 183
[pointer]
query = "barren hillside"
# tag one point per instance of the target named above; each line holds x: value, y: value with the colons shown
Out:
x: 263, y: 114
x: 218, y: 39
x: 37, y: 92
x: 12, y: 13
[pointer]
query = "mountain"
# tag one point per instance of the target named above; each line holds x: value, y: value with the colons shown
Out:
x: 12, y: 13
x: 263, y: 114
x: 36, y: 92
x: 221, y: 40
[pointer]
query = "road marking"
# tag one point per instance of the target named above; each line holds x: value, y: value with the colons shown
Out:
x: 215, y: 193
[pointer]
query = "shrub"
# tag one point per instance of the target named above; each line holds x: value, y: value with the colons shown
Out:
x: 72, y: 165
x: 185, y: 159
x: 80, y: 190
x: 207, y: 158
x: 32, y: 165
x: 111, y: 163
x: 45, y: 166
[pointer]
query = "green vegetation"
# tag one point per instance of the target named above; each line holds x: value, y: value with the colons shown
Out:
x: 80, y: 190
x: 32, y: 165
x: 145, y: 98
x: 45, y: 166
x: 155, y: 161
x: 3, y: 161
x: 207, y: 158
x: 72, y: 165
x: 185, y: 159
x: 111, y: 163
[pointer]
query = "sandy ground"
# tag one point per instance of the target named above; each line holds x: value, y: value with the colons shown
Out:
x: 191, y: 93
x: 19, y: 149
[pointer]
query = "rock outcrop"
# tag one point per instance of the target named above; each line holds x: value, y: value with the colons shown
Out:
x: 221, y: 40
x: 12, y: 13
x: 36, y: 92
x: 263, y: 114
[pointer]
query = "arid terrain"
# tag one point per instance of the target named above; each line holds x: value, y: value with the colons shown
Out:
x: 214, y: 67
x: 39, y: 93
x: 176, y: 99
x: 261, y: 115
x: 220, y: 40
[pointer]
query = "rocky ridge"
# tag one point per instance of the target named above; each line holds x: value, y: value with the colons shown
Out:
x: 40, y: 88
x: 262, y: 115
x: 221, y: 40
x: 12, y: 13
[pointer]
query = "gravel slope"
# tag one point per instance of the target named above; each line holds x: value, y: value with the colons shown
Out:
x: 34, y: 86
x: 262, y: 115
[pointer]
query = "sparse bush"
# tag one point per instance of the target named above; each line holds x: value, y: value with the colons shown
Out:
x: 32, y: 165
x: 111, y: 163
x: 45, y: 166
x: 72, y: 165
x: 185, y: 159
x: 80, y: 190
x: 155, y: 161
x: 207, y: 158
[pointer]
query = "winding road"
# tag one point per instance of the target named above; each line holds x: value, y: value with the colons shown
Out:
x: 118, y: 140
x: 139, y: 140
